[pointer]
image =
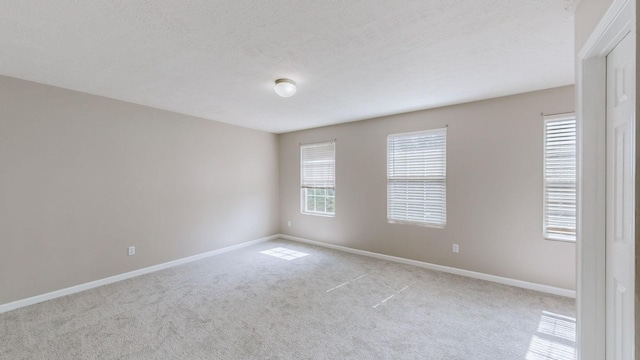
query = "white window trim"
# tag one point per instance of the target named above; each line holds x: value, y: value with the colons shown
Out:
x: 303, y: 205
x: 419, y: 223
x: 303, y: 197
x: 545, y: 234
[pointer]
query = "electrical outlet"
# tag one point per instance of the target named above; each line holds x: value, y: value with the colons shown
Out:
x: 456, y: 248
x: 132, y: 250
x: 289, y: 223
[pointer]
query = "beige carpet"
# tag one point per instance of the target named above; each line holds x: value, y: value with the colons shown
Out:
x: 325, y: 305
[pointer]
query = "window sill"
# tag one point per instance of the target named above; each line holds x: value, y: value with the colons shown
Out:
x: 567, y: 240
x: 399, y: 222
x: 318, y: 214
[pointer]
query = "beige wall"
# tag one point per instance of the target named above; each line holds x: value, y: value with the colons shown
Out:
x: 84, y: 177
x: 494, y: 189
x: 587, y: 16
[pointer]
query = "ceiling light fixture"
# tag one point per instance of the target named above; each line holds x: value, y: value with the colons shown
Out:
x: 285, y: 87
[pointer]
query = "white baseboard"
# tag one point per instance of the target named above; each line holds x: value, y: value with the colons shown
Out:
x: 447, y: 269
x: 93, y: 284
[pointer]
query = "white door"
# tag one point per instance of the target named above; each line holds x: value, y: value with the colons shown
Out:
x: 620, y: 257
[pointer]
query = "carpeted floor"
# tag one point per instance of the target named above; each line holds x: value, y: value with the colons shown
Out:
x: 325, y: 305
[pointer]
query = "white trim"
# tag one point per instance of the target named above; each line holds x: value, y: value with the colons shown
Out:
x: 93, y: 284
x: 618, y: 19
x: 418, y: 132
x: 436, y: 161
x: 545, y: 234
x: 566, y: 115
x: 591, y: 110
x: 303, y: 187
x: 447, y: 269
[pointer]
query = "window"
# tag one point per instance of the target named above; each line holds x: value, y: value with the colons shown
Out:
x: 318, y: 178
x: 417, y: 178
x: 560, y: 177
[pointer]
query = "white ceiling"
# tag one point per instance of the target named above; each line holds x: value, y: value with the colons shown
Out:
x: 352, y: 60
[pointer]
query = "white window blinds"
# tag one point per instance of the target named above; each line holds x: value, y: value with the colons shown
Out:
x: 560, y: 177
x: 417, y: 177
x: 317, y: 166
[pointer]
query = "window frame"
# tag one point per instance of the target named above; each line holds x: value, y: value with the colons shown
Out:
x: 304, y: 189
x: 554, y: 236
x: 442, y: 179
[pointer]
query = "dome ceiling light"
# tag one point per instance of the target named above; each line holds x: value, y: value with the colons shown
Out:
x: 285, y: 87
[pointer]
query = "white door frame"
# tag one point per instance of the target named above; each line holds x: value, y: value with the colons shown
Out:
x: 618, y: 21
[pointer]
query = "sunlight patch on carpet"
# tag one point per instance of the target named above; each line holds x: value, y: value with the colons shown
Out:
x: 555, y: 339
x: 389, y: 298
x: 284, y: 253
x: 556, y: 325
x: 346, y: 283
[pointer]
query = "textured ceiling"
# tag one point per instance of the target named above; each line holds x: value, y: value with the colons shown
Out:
x: 352, y: 60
